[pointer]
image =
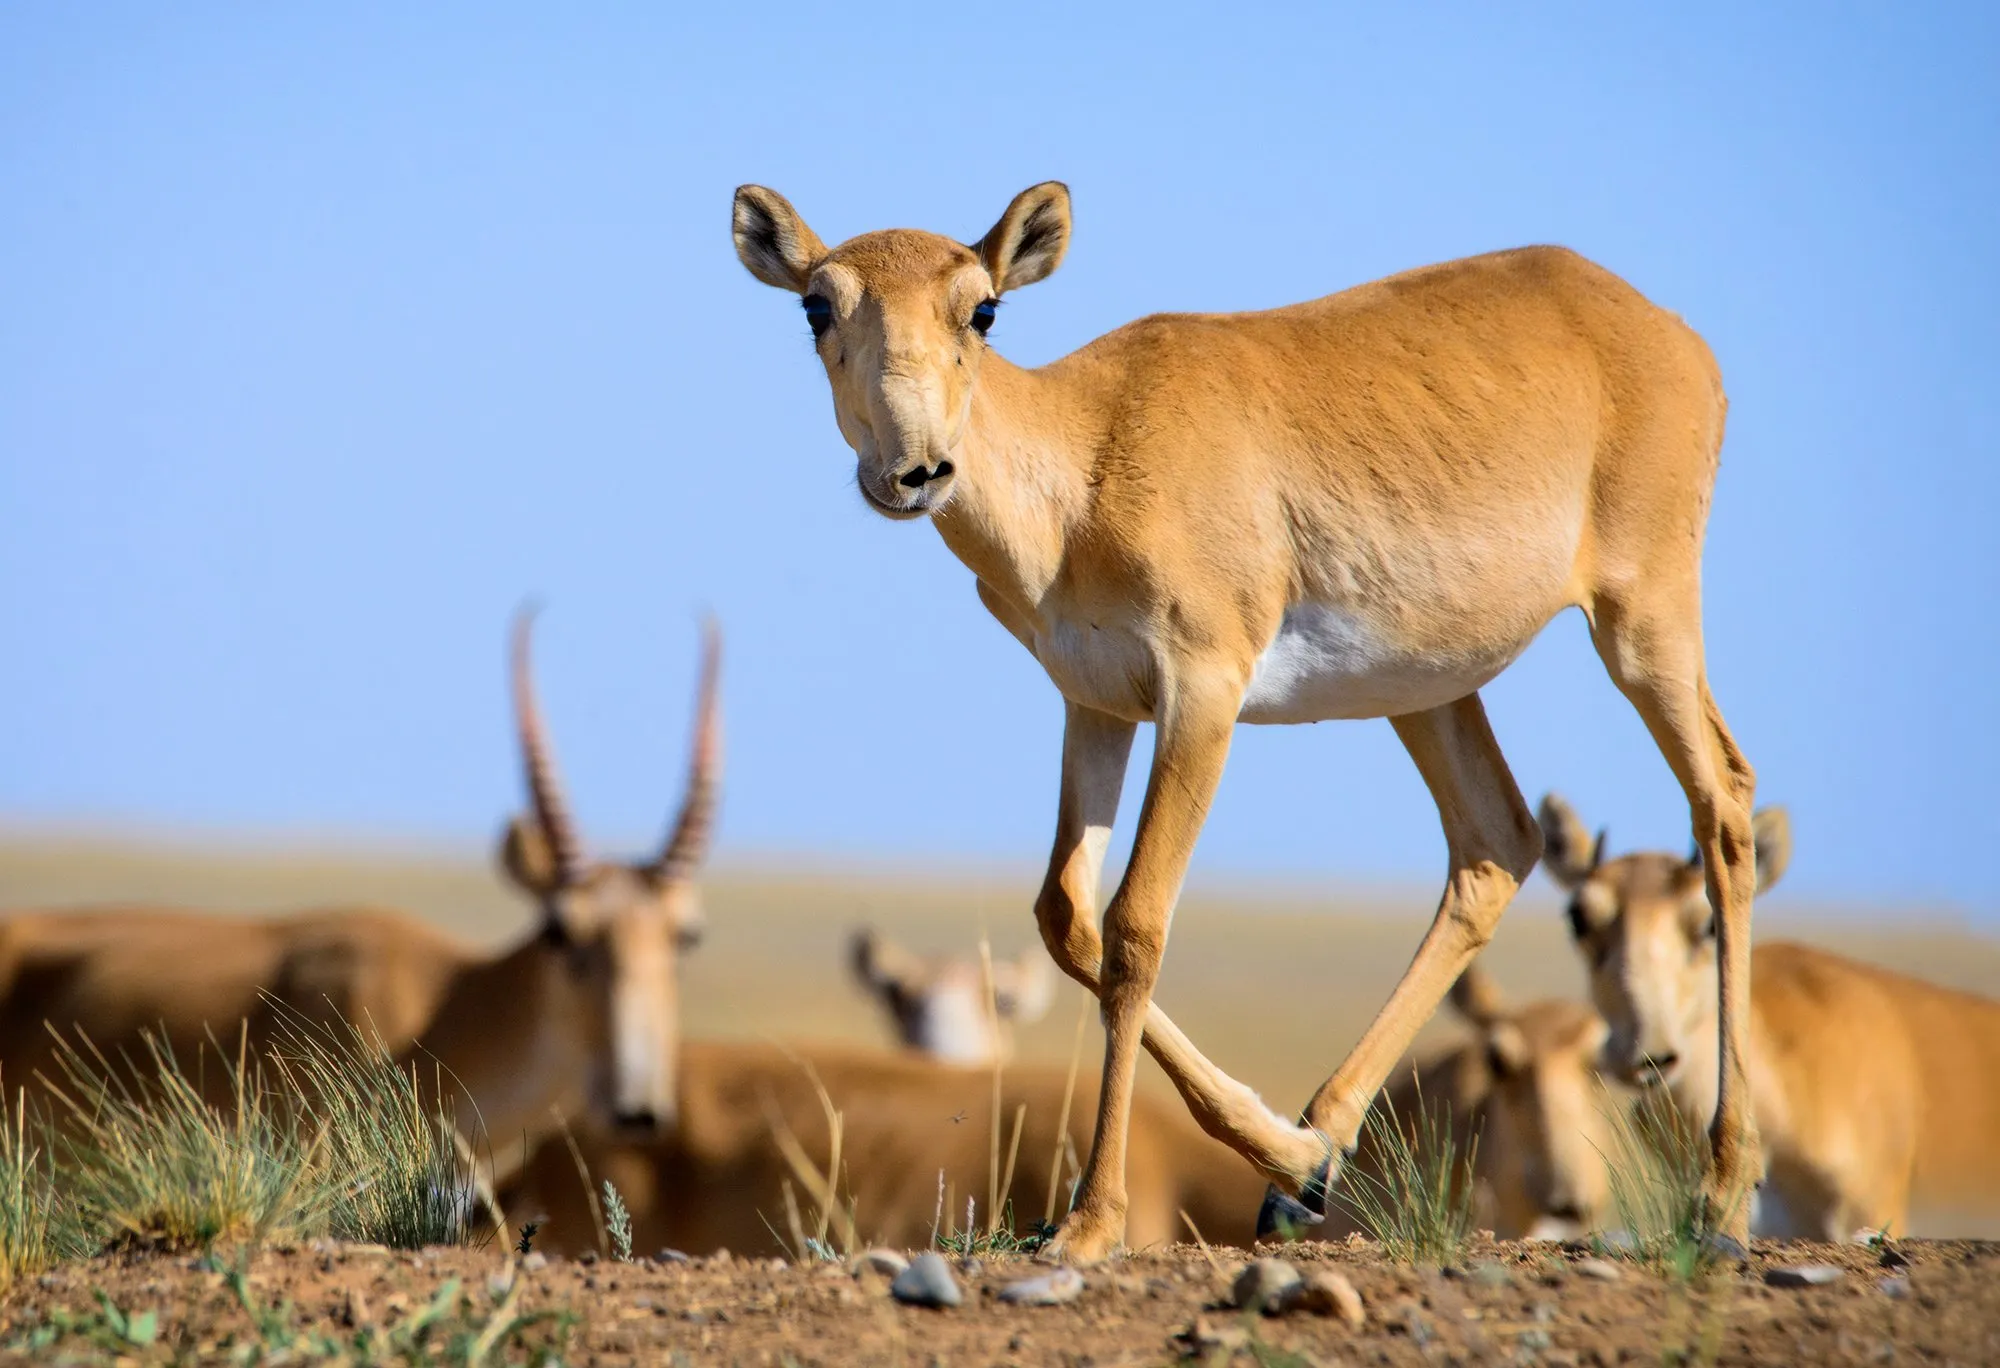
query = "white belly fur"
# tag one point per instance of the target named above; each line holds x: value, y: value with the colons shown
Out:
x: 1326, y: 664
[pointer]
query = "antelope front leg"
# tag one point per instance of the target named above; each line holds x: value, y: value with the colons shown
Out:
x: 1192, y: 746
x: 1492, y: 842
x: 1096, y: 751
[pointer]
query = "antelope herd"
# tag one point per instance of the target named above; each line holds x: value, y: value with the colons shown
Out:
x: 1362, y: 506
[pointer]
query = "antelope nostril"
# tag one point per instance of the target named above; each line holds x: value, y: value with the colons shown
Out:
x: 943, y: 469
x: 1567, y: 1213
x: 916, y: 477
x: 640, y: 1118
x: 1660, y: 1063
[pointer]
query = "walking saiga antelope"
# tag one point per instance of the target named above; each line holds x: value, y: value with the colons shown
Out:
x: 939, y: 1006
x: 1362, y: 506
x: 1877, y: 1095
x: 580, y: 1017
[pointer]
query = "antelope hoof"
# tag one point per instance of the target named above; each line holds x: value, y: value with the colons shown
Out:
x: 1284, y: 1217
x: 1075, y: 1243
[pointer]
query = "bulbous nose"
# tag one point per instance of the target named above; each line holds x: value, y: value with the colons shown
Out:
x: 917, y: 476
x: 638, y: 1118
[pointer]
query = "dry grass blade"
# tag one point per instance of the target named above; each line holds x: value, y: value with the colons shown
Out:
x: 1069, y: 1096
x: 821, y: 1186
x: 583, y: 1176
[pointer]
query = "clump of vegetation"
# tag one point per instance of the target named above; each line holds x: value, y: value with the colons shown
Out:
x: 147, y: 1159
x: 1417, y: 1199
x: 1656, y: 1168
x: 37, y: 1228
x: 390, y: 1147
x: 325, y: 1135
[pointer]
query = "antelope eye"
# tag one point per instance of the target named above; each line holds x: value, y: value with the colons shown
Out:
x: 819, y: 313
x: 982, y: 315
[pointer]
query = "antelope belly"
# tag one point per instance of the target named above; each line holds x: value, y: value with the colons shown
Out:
x: 1325, y: 664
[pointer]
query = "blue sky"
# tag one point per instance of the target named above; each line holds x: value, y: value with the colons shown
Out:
x: 328, y: 335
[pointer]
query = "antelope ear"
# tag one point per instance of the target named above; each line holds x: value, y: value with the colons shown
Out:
x: 1569, y: 853
x: 1477, y: 997
x: 1507, y: 1049
x: 1034, y: 985
x: 772, y: 241
x: 1771, y: 828
x: 1029, y: 240
x: 529, y: 859
x: 879, y: 964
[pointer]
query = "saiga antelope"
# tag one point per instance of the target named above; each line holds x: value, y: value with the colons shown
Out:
x: 1362, y: 506
x: 580, y: 1016
x: 1878, y: 1095
x: 939, y: 1006
x: 716, y: 1180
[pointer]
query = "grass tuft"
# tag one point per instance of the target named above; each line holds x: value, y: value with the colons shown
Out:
x: 1656, y: 1168
x: 38, y: 1228
x: 391, y: 1153
x: 1420, y: 1203
x: 324, y: 1135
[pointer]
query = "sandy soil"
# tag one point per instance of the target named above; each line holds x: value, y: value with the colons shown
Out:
x: 1510, y: 1304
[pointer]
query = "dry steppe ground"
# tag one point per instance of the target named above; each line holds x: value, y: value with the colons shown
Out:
x: 1508, y: 1304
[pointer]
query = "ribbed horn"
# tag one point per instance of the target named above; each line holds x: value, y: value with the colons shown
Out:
x: 689, y: 843
x: 544, y: 788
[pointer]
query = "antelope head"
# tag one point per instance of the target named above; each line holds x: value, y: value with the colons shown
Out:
x: 939, y: 1006
x: 899, y: 319
x: 1644, y: 927
x: 612, y: 933
x: 1548, y: 1128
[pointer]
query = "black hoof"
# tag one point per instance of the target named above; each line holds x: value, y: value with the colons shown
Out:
x: 1284, y: 1217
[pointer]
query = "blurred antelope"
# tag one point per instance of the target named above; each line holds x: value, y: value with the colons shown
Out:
x: 1363, y: 506
x: 717, y: 1181
x: 939, y: 1006
x: 580, y: 1017
x: 1878, y: 1095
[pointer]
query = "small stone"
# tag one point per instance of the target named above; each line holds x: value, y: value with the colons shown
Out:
x: 1601, y: 1269
x: 534, y: 1261
x: 971, y: 1269
x: 1803, y: 1275
x: 1204, y: 1338
x: 1324, y: 1294
x: 1258, y: 1286
x: 588, y: 1257
x: 927, y: 1282
x: 670, y: 1256
x: 777, y: 1265
x: 1051, y: 1289
x: 719, y: 1259
x: 1727, y: 1248
x: 1618, y: 1242
x: 887, y: 1262
x: 1896, y: 1288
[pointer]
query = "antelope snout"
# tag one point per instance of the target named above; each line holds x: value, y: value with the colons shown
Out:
x: 916, y: 475
x: 642, y: 1121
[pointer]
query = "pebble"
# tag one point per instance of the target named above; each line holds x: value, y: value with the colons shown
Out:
x: 1803, y: 1275
x: 1897, y: 1288
x: 927, y: 1282
x: 1261, y: 1282
x: 534, y: 1261
x: 887, y: 1262
x: 1051, y: 1289
x: 670, y: 1256
x: 1601, y: 1269
x: 1204, y: 1338
x: 1726, y: 1247
x: 1324, y: 1294
x: 1617, y: 1242
x: 777, y: 1265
